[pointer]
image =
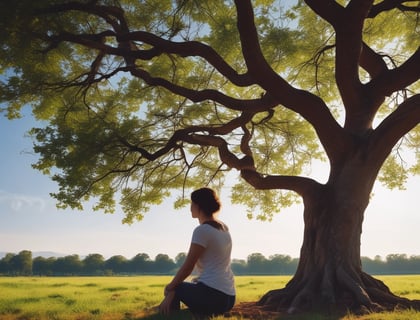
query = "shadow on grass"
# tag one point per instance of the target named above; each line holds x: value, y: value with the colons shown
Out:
x: 186, y: 315
x: 180, y: 315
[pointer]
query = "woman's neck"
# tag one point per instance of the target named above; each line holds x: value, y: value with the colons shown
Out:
x: 203, y: 219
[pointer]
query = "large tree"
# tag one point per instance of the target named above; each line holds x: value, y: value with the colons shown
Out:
x: 144, y: 97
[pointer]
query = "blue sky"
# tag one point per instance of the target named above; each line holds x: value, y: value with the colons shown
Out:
x: 29, y: 219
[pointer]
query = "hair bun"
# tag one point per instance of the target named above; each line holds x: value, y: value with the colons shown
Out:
x: 207, y: 200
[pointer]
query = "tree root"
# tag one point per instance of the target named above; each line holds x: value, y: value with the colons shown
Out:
x: 346, y: 291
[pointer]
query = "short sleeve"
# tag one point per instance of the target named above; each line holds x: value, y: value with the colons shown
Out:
x: 200, y: 236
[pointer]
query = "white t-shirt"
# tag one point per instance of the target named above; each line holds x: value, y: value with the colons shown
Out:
x: 213, y: 266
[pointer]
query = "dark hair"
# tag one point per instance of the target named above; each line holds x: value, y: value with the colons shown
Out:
x: 207, y: 200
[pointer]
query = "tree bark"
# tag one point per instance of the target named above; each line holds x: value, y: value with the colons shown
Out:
x: 329, y: 277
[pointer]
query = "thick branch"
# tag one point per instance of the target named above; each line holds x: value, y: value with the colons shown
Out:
x: 388, y: 5
x: 225, y: 154
x: 96, y: 41
x: 301, y: 185
x: 190, y: 49
x: 394, y: 127
x: 348, y: 51
x: 194, y: 135
x: 251, y: 105
x: 312, y: 108
x: 113, y: 14
x: 329, y: 10
x: 397, y: 79
x: 372, y: 62
x: 187, y: 133
x: 87, y: 6
x: 254, y: 58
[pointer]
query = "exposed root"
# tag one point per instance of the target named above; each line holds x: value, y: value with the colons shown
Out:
x: 347, y: 291
x: 354, y: 285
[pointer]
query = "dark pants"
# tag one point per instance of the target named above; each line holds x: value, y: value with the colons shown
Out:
x: 202, y: 299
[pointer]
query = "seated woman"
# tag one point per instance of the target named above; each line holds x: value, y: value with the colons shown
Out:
x: 213, y: 291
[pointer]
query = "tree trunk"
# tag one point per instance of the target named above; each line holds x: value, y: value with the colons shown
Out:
x: 329, y: 275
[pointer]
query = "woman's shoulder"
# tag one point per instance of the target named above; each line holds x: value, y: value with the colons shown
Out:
x: 217, y: 224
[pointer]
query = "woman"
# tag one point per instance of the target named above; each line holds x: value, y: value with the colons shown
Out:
x: 213, y: 291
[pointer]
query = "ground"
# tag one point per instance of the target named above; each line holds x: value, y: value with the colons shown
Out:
x: 252, y: 310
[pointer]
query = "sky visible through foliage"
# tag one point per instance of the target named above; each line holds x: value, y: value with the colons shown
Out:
x: 30, y: 220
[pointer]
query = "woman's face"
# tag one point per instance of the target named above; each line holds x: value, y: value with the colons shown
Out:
x: 195, y: 209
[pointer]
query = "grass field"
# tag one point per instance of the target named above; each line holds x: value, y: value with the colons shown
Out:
x: 129, y: 298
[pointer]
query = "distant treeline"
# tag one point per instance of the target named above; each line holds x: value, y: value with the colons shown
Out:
x: 23, y: 264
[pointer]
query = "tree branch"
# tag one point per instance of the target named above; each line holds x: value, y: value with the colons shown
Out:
x: 360, y: 101
x: 111, y: 14
x: 394, y: 127
x: 348, y: 51
x: 388, y: 5
x: 329, y: 10
x: 251, y: 105
x: 125, y: 38
x: 96, y: 42
x: 398, y: 78
x: 311, y: 107
x: 190, y: 49
x: 226, y: 156
x: 301, y: 185
x: 191, y: 135
x: 254, y: 58
x: 372, y: 62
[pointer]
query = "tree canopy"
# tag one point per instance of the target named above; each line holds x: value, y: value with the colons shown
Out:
x: 142, y: 97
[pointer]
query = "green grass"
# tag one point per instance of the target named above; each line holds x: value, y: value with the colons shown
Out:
x: 129, y: 298
x: 78, y: 298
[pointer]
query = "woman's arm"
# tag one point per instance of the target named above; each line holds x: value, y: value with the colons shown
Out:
x: 187, y: 267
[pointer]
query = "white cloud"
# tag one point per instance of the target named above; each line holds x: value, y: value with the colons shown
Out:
x: 18, y: 202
